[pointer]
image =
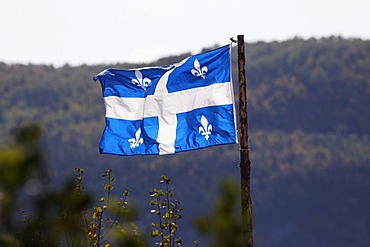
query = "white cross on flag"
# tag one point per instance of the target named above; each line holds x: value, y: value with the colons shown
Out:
x: 169, y: 109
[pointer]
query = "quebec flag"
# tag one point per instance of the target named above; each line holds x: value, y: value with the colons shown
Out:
x: 169, y: 109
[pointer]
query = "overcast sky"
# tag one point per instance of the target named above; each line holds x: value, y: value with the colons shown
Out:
x: 108, y: 31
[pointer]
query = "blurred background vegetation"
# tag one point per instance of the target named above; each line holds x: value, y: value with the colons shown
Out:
x: 309, y: 117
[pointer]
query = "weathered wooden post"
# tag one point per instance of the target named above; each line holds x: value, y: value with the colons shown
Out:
x: 245, y: 163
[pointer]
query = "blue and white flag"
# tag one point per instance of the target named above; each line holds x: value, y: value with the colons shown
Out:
x: 169, y: 109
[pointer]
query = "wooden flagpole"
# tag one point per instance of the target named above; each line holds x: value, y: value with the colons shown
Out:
x: 245, y: 163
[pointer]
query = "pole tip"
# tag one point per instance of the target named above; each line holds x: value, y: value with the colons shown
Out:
x: 233, y: 40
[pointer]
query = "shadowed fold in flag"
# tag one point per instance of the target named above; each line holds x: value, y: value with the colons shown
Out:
x: 169, y: 109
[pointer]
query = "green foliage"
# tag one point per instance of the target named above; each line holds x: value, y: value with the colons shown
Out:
x: 168, y: 211
x: 56, y: 217
x: 21, y: 167
x: 224, y: 225
x: 79, y: 178
x: 112, y: 221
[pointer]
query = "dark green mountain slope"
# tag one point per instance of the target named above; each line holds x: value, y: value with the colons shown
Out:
x: 313, y: 85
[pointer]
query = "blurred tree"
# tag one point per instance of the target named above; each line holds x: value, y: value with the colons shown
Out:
x: 34, y: 214
x: 224, y: 224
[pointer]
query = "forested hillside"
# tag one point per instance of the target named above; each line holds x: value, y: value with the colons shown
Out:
x: 308, y: 105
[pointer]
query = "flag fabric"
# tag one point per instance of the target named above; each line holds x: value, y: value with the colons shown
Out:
x: 169, y: 109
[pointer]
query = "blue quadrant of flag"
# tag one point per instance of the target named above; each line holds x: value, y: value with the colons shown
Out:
x: 169, y: 109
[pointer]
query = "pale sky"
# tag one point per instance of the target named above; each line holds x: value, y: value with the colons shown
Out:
x: 109, y: 31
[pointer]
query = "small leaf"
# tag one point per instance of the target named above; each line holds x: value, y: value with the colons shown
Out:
x: 165, y: 179
x: 179, y: 241
x: 168, y: 215
x: 155, y: 233
x: 153, y: 211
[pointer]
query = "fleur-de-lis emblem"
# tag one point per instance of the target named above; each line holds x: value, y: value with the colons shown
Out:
x: 206, y: 128
x: 140, y: 81
x: 137, y: 141
x: 198, y: 71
